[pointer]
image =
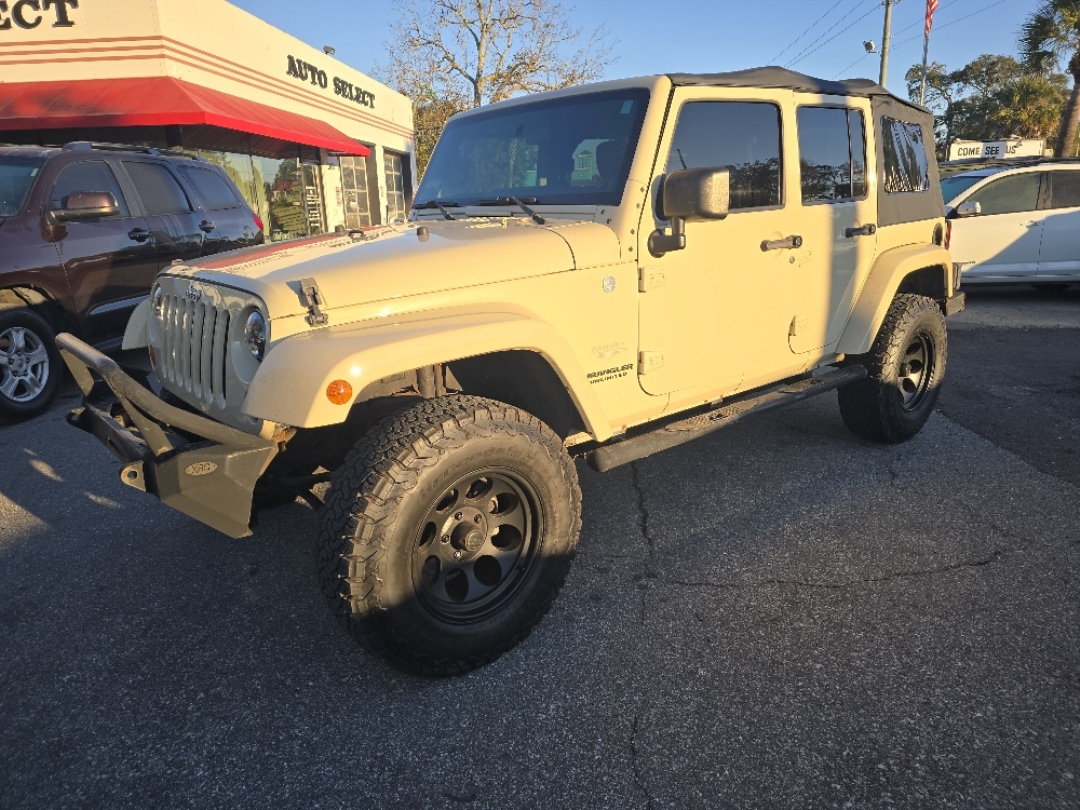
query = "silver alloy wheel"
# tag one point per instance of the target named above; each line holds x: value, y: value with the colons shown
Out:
x: 24, y: 364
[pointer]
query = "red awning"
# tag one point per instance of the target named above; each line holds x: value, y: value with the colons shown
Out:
x: 157, y: 101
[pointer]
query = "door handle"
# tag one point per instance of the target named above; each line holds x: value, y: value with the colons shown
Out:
x: 788, y: 243
x: 206, y: 226
x: 139, y: 234
x: 865, y: 230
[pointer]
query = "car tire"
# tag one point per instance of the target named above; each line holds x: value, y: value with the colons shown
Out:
x: 448, y: 532
x: 906, y: 366
x: 30, y: 365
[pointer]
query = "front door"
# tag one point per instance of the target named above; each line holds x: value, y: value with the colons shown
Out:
x: 1002, y: 242
x: 701, y: 311
x: 110, y: 261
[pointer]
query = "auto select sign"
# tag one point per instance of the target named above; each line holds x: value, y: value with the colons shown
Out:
x: 984, y: 150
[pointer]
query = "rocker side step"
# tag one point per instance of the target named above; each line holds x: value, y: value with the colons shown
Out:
x: 672, y: 434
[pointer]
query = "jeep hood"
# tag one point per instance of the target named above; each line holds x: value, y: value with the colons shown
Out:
x: 392, y: 263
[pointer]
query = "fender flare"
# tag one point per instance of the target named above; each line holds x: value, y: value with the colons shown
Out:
x: 879, y: 289
x: 290, y: 385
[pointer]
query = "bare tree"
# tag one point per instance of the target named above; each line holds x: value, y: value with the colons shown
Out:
x: 450, y: 55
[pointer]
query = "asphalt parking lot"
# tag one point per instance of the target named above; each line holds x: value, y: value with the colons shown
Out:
x: 779, y: 615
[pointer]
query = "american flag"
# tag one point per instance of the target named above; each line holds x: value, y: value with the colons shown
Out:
x: 931, y: 7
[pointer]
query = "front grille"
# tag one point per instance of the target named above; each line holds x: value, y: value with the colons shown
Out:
x: 194, y: 347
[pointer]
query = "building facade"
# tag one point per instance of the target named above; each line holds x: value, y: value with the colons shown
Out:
x: 311, y: 143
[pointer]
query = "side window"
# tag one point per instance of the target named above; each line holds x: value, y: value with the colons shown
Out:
x: 1065, y: 189
x: 91, y: 175
x: 907, y: 168
x: 743, y: 137
x: 214, y: 191
x: 157, y: 188
x: 1009, y: 195
x: 832, y: 154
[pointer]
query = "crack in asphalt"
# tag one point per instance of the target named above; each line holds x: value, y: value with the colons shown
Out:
x: 650, y: 544
x: 650, y: 800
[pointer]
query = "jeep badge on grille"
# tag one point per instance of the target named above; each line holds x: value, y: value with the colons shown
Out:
x: 193, y: 293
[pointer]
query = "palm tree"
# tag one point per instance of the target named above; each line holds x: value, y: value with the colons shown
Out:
x: 1050, y: 33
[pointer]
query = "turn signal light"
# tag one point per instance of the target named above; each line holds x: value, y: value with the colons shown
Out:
x: 339, y: 392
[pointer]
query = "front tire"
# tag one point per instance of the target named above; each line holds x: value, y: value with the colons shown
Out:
x: 448, y: 532
x: 906, y: 366
x: 30, y: 365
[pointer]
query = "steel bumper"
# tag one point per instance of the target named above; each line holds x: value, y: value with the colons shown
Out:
x: 197, y: 466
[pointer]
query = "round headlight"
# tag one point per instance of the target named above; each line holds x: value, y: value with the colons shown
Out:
x: 255, y: 334
x: 158, y: 301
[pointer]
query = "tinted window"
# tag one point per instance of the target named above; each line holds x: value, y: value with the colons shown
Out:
x: 157, y: 188
x: 17, y: 175
x: 214, y: 191
x: 906, y: 165
x: 1065, y: 189
x: 538, y: 152
x: 92, y: 175
x: 952, y: 187
x: 743, y: 137
x: 832, y: 154
x: 1009, y: 195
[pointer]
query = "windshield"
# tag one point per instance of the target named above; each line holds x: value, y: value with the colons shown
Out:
x: 953, y: 187
x: 573, y: 150
x: 16, y: 176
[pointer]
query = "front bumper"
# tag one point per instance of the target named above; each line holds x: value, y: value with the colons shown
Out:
x: 197, y: 466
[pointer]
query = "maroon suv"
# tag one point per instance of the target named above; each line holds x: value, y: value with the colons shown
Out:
x: 84, y: 229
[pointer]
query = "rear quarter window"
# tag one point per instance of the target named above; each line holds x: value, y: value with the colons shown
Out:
x: 907, y: 168
x: 215, y: 192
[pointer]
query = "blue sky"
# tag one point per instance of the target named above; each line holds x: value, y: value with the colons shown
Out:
x: 709, y: 35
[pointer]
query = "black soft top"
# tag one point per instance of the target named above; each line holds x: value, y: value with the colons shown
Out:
x: 782, y: 78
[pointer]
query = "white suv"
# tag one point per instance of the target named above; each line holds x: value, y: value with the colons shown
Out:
x: 1016, y: 223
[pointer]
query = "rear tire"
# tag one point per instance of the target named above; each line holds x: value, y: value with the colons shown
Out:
x: 906, y: 367
x: 448, y: 532
x: 30, y: 365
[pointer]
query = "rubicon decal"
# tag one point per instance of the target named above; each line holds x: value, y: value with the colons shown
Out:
x: 608, y: 374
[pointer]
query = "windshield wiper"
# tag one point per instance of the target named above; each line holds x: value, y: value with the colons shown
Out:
x: 437, y: 204
x: 539, y: 220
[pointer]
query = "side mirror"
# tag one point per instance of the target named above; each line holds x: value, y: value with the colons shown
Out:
x: 686, y: 196
x: 87, y: 205
x: 968, y: 209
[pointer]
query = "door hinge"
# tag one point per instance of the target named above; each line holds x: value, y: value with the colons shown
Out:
x: 650, y: 278
x: 649, y: 361
x: 311, y: 297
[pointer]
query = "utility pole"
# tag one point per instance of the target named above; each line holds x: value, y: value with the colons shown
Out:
x: 885, y: 41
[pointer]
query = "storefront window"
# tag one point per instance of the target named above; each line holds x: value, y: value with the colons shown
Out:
x: 281, y: 203
x: 313, y: 198
x: 354, y: 187
x: 395, y: 187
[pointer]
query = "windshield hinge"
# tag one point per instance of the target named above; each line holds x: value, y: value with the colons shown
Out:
x: 311, y: 297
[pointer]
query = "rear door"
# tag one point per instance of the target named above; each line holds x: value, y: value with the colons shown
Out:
x: 1059, y: 257
x: 109, y: 262
x: 170, y: 213
x: 1002, y: 242
x: 228, y: 222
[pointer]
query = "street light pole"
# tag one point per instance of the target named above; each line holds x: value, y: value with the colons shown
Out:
x: 885, y: 42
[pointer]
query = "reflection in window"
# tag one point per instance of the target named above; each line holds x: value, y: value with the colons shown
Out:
x: 91, y: 175
x: 906, y: 165
x: 832, y: 154
x: 742, y: 137
x: 1009, y: 195
x: 354, y: 187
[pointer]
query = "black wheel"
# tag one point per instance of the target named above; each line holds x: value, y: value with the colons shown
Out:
x: 1050, y: 286
x: 448, y: 532
x: 30, y: 365
x: 906, y: 367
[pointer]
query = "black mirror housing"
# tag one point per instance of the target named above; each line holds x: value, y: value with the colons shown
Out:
x: 694, y: 194
x: 87, y: 205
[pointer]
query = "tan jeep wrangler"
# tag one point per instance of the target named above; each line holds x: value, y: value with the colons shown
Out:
x: 604, y: 271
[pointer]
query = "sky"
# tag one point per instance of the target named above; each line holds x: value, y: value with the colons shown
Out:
x: 705, y: 36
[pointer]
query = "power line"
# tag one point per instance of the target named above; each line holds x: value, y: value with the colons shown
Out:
x: 838, y: 33
x: 807, y: 31
x: 853, y: 64
x: 807, y: 50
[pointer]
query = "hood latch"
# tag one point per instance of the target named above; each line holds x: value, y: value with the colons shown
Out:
x: 311, y: 297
